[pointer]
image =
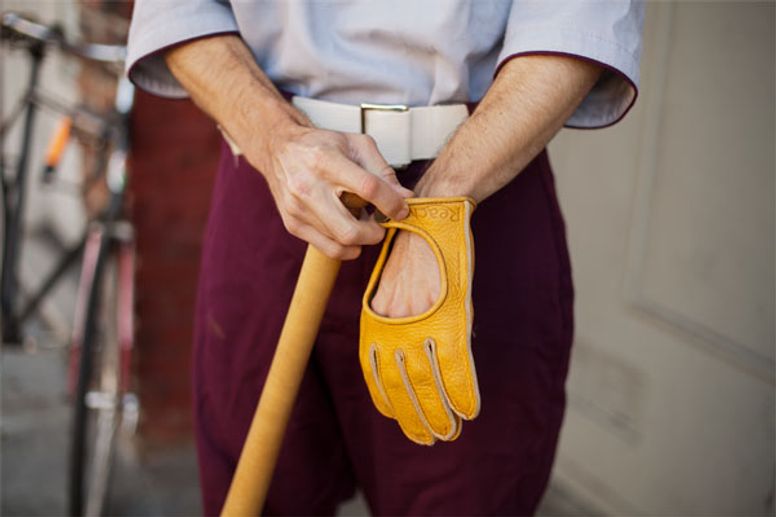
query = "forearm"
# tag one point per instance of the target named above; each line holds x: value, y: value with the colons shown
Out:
x: 223, y: 79
x: 306, y: 168
x: 525, y: 107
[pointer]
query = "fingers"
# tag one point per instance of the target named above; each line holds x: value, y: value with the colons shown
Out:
x: 365, y: 152
x: 322, y: 208
x: 315, y: 214
x: 343, y: 227
x: 408, y: 387
x: 370, y: 365
x: 404, y: 401
x: 423, y: 378
x: 310, y: 173
x: 459, y: 379
x: 368, y: 187
x: 327, y: 246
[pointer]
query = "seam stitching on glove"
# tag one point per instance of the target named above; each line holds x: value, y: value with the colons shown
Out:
x: 430, y: 347
x: 399, y: 357
x: 378, y: 381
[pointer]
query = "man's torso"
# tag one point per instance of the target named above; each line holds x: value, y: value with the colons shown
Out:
x: 385, y: 51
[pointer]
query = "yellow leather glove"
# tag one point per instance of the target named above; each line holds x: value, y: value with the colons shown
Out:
x: 419, y: 369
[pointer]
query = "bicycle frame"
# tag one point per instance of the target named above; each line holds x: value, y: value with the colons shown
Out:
x: 13, y: 203
x: 37, y: 38
x: 102, y: 340
x: 106, y: 239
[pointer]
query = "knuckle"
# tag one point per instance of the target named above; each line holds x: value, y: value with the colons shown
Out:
x: 378, y: 304
x: 326, y: 168
x: 292, y: 225
x: 395, y: 206
x: 299, y: 185
x: 349, y: 236
x: 351, y: 253
x: 377, y: 235
x: 338, y: 139
x: 370, y: 186
x: 319, y: 154
x: 368, y: 142
x: 335, y: 251
x: 316, y: 157
x: 292, y: 206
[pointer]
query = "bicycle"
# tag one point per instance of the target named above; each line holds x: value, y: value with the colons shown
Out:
x: 103, y: 330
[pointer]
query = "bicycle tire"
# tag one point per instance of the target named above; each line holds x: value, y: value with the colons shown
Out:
x: 97, y: 398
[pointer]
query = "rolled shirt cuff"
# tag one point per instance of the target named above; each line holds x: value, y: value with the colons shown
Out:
x: 617, y: 88
x: 157, y: 26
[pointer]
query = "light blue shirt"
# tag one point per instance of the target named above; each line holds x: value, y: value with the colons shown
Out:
x: 412, y: 52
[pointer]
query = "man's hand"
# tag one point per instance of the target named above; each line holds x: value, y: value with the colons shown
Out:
x: 307, y: 169
x: 419, y: 370
x: 525, y: 107
x: 409, y: 284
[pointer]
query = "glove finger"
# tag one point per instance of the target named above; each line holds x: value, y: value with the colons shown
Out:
x: 407, y: 410
x: 425, y: 383
x: 459, y: 378
x: 370, y: 366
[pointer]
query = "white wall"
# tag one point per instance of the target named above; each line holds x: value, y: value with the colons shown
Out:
x: 671, y: 222
x: 61, y: 207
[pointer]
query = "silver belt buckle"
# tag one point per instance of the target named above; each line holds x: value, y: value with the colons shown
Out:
x: 364, y: 107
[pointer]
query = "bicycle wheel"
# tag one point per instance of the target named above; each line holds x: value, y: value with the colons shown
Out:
x: 98, y: 395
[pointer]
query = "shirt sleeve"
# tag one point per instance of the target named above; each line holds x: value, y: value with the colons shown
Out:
x: 607, y: 32
x: 160, y: 24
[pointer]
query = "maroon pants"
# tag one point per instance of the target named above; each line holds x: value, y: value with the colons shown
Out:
x: 336, y: 439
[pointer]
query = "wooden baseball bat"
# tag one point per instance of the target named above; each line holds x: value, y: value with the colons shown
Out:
x: 260, y: 452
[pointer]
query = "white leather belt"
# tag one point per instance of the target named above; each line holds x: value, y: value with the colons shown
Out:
x: 402, y: 134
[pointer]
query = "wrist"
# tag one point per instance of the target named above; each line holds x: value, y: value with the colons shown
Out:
x: 437, y: 182
x: 256, y: 122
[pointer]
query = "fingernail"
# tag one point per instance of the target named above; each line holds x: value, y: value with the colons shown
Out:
x: 404, y: 212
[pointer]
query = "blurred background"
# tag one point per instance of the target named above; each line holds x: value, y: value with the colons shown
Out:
x: 670, y: 216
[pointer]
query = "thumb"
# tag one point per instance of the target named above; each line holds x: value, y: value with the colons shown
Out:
x: 369, y: 157
x: 389, y: 175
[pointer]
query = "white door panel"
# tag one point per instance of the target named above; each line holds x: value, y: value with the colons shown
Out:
x: 671, y: 226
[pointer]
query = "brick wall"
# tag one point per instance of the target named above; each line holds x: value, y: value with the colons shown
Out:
x: 174, y: 153
x: 173, y: 160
